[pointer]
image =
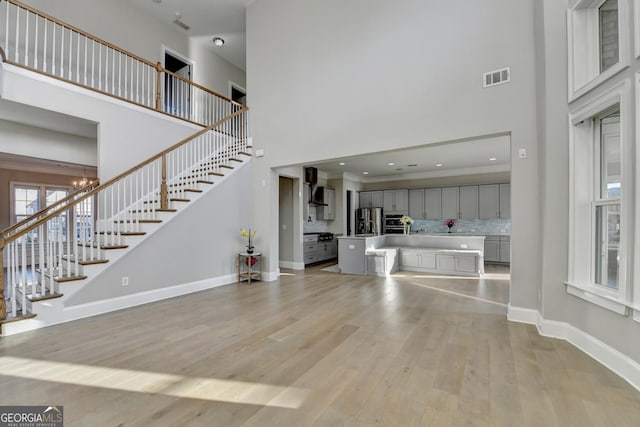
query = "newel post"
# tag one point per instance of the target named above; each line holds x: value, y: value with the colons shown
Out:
x: 164, y: 198
x: 3, y: 302
x: 158, y: 86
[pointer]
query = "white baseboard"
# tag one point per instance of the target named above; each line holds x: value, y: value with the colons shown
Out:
x: 70, y: 313
x: 522, y: 315
x: 271, y: 276
x: 627, y: 368
x: 292, y: 265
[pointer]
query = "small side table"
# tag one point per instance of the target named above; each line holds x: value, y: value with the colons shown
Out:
x: 249, y: 266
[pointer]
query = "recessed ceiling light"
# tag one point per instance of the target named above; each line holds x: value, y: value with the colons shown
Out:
x: 365, y: 173
x: 492, y: 159
x: 439, y: 165
x: 218, y: 41
x: 391, y: 164
x: 342, y: 163
x: 399, y: 169
x: 412, y: 166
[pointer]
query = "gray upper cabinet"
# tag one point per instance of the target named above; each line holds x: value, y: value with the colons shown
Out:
x: 396, y: 201
x: 469, y: 202
x: 433, y: 203
x: 371, y: 199
x: 328, y: 213
x: 450, y: 202
x: 488, y: 201
x: 416, y: 204
x: 505, y: 201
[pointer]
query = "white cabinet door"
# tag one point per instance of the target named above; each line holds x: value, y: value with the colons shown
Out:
x: 376, y: 199
x: 505, y: 201
x: 450, y: 202
x: 469, y: 202
x: 409, y: 258
x: 427, y: 259
x: 466, y: 263
x: 433, y: 203
x: 488, y: 201
x: 416, y: 204
x: 388, y: 205
x: 446, y: 262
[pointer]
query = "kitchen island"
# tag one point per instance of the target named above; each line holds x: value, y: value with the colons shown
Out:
x: 453, y: 254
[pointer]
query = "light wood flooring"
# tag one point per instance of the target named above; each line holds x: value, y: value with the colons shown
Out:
x: 316, y: 348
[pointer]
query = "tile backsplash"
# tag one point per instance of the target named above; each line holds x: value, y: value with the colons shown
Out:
x: 315, y: 225
x: 480, y: 226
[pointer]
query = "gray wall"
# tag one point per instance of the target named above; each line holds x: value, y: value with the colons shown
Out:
x: 556, y: 304
x: 197, y: 244
x: 365, y: 76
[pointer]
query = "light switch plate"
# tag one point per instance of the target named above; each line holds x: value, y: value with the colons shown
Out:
x: 522, y: 153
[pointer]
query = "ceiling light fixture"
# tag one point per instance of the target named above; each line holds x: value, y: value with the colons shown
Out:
x: 391, y: 164
x: 439, y: 165
x: 491, y: 159
x: 413, y: 165
x: 365, y: 173
x: 342, y: 163
x: 218, y: 41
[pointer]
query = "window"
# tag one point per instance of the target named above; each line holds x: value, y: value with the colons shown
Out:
x: 28, y: 199
x: 601, y: 209
x: 597, y: 43
x: 607, y: 199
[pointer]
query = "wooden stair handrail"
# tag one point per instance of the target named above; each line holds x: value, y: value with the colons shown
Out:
x: 112, y: 46
x: 7, y: 239
x: 7, y: 230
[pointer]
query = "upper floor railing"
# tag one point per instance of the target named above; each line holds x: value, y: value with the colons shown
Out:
x: 36, y: 41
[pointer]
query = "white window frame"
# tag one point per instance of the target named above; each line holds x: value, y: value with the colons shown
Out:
x: 636, y: 254
x: 636, y: 24
x: 584, y: 47
x: 582, y: 143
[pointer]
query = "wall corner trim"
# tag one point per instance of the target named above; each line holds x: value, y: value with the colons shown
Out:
x: 627, y: 368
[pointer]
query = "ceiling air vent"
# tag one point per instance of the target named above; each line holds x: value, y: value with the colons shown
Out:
x: 497, y: 77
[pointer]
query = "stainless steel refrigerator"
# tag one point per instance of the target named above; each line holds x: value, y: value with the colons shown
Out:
x: 369, y: 221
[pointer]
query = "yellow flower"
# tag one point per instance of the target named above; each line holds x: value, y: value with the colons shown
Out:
x: 245, y: 233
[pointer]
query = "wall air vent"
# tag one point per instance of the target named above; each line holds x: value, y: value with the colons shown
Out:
x: 497, y: 77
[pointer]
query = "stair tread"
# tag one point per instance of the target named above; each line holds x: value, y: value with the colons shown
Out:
x: 233, y: 159
x: 140, y: 221
x: 105, y: 247
x: 216, y: 174
x: 202, y: 181
x: 226, y: 166
x: 124, y: 233
x: 86, y: 261
x: 153, y: 210
x: 244, y: 153
x: 179, y: 200
x: 40, y: 297
x: 18, y: 317
x: 193, y: 190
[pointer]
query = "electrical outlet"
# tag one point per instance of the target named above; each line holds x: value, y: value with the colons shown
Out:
x: 463, y: 246
x: 125, y: 281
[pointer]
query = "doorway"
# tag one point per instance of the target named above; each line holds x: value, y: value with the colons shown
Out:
x: 237, y: 93
x: 177, y: 92
x: 348, y: 212
x: 285, y: 221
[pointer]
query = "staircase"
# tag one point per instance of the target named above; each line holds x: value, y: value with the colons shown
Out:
x: 52, y: 254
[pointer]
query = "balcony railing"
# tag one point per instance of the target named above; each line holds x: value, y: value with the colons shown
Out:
x: 36, y: 41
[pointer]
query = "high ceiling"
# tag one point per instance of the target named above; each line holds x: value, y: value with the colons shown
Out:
x: 206, y: 19
x: 466, y: 157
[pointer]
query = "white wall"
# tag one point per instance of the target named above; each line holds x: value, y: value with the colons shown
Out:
x: 211, y: 70
x: 119, y: 23
x: 127, y: 134
x: 16, y: 138
x: 200, y: 243
x: 364, y: 76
